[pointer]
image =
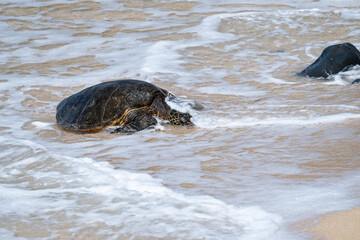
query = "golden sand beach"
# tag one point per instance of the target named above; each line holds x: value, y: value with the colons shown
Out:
x: 338, y: 226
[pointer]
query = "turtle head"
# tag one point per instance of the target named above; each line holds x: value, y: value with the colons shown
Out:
x: 178, y: 118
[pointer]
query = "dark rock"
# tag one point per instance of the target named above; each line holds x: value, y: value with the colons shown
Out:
x: 333, y: 59
x: 356, y: 81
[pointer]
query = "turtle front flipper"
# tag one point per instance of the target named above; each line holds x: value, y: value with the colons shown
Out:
x: 136, y: 120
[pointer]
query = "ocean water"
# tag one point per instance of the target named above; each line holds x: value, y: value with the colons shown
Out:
x: 268, y: 150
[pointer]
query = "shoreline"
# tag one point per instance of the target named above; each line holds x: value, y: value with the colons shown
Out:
x: 344, y: 225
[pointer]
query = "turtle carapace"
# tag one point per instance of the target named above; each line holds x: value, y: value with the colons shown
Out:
x: 129, y: 105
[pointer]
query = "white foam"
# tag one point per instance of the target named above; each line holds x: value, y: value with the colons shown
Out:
x: 208, y: 29
x: 141, y: 204
x: 214, y: 122
x: 42, y: 125
x: 337, y: 81
x: 161, y: 57
x: 227, y: 89
x: 279, y: 106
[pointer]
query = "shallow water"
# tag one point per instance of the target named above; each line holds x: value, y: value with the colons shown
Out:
x: 267, y: 151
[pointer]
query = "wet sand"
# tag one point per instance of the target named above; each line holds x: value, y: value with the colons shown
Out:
x: 338, y: 226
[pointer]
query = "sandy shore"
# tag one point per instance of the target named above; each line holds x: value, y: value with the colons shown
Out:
x: 338, y: 226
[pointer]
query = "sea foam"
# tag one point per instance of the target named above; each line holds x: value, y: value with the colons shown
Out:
x: 46, y: 184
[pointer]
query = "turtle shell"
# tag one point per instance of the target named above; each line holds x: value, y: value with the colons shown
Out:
x: 102, y: 105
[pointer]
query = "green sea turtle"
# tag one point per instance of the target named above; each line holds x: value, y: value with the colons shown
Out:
x: 128, y: 104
